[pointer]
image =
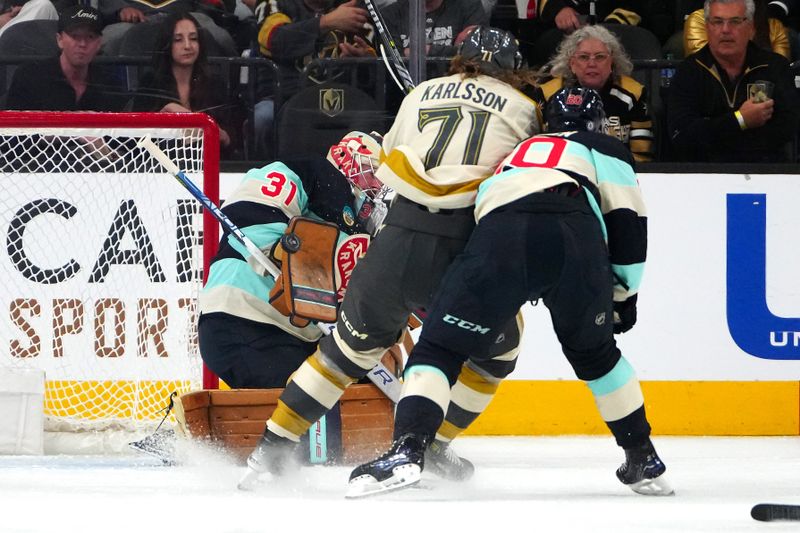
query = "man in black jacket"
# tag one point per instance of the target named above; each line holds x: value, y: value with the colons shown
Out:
x: 69, y: 81
x: 732, y: 101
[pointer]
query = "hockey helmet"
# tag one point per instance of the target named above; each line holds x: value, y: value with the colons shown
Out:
x: 575, y: 109
x: 492, y: 47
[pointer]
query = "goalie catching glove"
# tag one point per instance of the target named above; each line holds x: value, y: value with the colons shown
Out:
x: 306, y: 289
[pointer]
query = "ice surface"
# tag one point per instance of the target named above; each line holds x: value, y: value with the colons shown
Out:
x: 521, y: 484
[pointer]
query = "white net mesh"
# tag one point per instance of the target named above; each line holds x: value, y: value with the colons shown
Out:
x: 101, y: 268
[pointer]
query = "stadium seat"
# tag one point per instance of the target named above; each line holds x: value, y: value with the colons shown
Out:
x: 30, y: 38
x: 140, y: 40
x: 639, y: 42
x: 641, y: 45
x: 318, y: 116
x: 25, y: 39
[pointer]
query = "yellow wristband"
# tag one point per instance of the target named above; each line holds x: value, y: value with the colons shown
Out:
x: 740, y: 119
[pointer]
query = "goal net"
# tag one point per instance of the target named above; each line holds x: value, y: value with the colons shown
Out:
x: 102, y: 263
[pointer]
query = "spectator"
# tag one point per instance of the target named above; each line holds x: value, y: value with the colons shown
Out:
x: 769, y: 33
x: 294, y: 32
x: 560, y: 17
x: 714, y: 112
x: 16, y: 11
x: 69, y: 81
x: 122, y: 15
x: 446, y: 22
x: 181, y: 81
x: 592, y: 57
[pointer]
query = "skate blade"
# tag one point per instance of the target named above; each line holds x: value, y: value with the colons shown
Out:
x: 653, y: 487
x: 366, y: 485
x: 249, y: 480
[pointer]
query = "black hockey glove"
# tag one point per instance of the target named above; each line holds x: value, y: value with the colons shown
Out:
x: 625, y: 314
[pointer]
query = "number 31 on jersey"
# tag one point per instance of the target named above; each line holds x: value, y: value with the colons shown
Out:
x: 279, y: 187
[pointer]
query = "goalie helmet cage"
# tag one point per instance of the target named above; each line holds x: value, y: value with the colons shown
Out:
x: 103, y: 259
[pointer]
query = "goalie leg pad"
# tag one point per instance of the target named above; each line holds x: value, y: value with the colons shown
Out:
x: 359, y: 427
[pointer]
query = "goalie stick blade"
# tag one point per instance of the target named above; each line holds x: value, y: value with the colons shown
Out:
x: 402, y: 476
x: 159, y: 445
x: 770, y: 512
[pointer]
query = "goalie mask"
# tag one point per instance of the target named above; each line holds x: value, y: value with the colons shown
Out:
x: 357, y: 158
x: 575, y: 109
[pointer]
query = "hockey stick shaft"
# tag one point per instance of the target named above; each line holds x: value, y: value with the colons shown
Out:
x: 389, y: 50
x: 200, y: 196
x: 385, y: 380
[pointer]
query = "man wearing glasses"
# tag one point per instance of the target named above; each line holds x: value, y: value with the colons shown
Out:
x: 731, y: 100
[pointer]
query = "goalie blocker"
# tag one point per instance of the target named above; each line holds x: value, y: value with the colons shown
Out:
x: 306, y: 289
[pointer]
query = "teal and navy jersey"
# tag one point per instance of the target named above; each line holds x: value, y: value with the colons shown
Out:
x: 604, y: 168
x: 261, y: 206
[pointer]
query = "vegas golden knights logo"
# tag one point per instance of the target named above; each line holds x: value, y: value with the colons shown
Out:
x: 331, y: 101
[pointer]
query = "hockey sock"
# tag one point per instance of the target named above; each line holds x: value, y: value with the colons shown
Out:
x: 619, y: 399
x: 469, y: 398
x: 425, y: 396
x: 310, y: 393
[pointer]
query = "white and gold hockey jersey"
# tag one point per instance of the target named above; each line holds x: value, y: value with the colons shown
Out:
x: 449, y: 135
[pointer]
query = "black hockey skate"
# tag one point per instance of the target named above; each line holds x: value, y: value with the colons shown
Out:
x: 273, y: 454
x: 400, y: 467
x: 445, y: 463
x: 643, y: 471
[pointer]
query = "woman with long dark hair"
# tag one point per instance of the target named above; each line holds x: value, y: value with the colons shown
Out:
x: 181, y: 81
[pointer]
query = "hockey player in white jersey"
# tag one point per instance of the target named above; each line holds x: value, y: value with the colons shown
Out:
x: 563, y: 221
x: 449, y: 135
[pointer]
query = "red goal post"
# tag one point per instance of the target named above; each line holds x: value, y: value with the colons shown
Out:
x: 102, y: 260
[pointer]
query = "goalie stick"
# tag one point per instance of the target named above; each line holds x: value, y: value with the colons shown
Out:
x: 389, y: 52
x: 770, y: 512
x: 381, y: 376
